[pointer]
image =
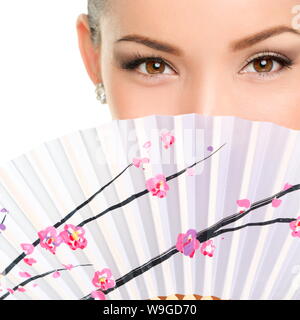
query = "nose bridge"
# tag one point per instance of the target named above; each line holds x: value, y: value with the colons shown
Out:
x: 208, y: 92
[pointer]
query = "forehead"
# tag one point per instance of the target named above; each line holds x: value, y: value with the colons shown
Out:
x: 189, y: 22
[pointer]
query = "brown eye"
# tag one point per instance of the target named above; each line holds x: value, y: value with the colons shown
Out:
x: 263, y: 65
x: 154, y: 67
x: 269, y: 63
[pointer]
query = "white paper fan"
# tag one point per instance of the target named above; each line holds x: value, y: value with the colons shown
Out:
x: 232, y: 181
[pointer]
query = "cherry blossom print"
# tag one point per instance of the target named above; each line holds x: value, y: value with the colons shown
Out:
x: 27, y: 247
x: 137, y: 162
x: 98, y: 295
x: 245, y: 203
x: 187, y: 243
x: 276, y: 202
x: 56, y: 274
x: 190, y: 171
x: 50, y: 240
x: 29, y: 261
x: 11, y: 291
x: 68, y: 266
x: 167, y: 138
x: 295, y: 226
x: 21, y: 289
x: 24, y: 274
x: 287, y: 186
x: 147, y: 144
x: 74, y: 237
x: 207, y: 248
x: 102, y: 279
x: 158, y: 185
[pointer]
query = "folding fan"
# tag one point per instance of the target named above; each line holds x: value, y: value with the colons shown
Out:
x: 155, y: 207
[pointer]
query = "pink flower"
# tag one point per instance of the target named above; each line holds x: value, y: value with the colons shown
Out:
x: 98, y: 295
x: 29, y: 261
x: 276, y: 202
x: 10, y: 290
x: 158, y: 185
x: 56, y: 274
x: 168, y: 139
x: 139, y: 161
x: 295, y: 226
x: 21, y: 289
x: 49, y: 239
x: 207, y: 248
x: 102, y: 279
x: 287, y: 186
x: 147, y: 144
x: 190, y: 171
x: 74, y: 237
x: 24, y: 274
x: 27, y: 247
x: 245, y: 203
x: 68, y: 266
x: 187, y: 243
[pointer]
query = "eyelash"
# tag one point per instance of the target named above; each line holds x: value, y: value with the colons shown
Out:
x: 283, y: 60
x: 138, y: 59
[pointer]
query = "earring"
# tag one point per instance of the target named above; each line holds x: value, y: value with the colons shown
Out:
x: 100, y: 92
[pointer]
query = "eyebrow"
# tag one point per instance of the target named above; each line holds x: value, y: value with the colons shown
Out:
x: 235, y: 46
x: 154, y: 44
x: 260, y: 36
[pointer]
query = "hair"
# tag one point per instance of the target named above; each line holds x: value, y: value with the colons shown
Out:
x: 96, y: 10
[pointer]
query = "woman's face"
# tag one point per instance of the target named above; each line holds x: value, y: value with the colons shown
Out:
x: 220, y: 57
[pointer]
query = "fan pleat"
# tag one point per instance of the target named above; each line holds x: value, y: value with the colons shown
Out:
x: 277, y: 238
x: 284, y: 265
x: 247, y: 151
x: 285, y: 144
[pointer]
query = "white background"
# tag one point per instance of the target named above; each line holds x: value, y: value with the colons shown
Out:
x: 45, y: 91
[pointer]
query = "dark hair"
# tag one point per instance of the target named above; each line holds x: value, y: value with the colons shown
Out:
x: 96, y: 9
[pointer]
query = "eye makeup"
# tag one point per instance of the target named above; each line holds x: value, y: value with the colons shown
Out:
x: 134, y: 60
x: 270, y: 55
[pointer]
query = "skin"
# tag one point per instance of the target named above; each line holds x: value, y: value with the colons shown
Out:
x: 209, y: 77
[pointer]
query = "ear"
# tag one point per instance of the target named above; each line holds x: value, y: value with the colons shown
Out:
x: 90, y: 55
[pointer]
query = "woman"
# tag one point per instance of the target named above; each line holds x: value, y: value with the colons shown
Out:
x: 230, y: 57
